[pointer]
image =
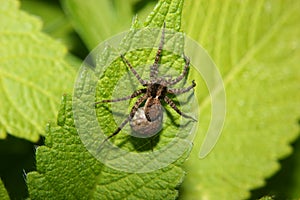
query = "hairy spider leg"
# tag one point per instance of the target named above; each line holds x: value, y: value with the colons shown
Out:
x: 182, y: 75
x: 182, y: 90
x: 154, y: 67
x: 143, y: 82
x: 134, y: 94
x: 173, y: 105
x: 131, y: 115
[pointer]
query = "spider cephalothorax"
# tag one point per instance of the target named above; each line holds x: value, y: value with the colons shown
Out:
x: 146, y: 121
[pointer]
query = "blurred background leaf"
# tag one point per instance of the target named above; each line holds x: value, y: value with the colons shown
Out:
x: 33, y: 76
x: 96, y: 20
x: 256, y: 45
x: 3, y: 192
x: 56, y: 24
x: 33, y: 73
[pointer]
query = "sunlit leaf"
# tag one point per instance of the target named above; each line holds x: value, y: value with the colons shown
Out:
x: 33, y: 73
x: 256, y: 46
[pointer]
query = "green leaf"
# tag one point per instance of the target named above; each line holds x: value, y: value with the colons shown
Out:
x: 54, y: 19
x: 67, y: 170
x: 33, y: 73
x: 2, y: 132
x: 56, y: 24
x: 266, y: 198
x: 256, y: 46
x: 3, y: 192
x: 294, y: 176
x: 96, y: 20
x: 286, y: 183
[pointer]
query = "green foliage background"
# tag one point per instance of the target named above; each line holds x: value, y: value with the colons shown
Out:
x: 255, y: 44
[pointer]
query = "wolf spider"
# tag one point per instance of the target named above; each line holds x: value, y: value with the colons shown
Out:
x: 147, y: 120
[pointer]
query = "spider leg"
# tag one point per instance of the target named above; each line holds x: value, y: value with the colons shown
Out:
x: 181, y: 76
x: 182, y: 90
x: 173, y: 105
x: 154, y: 67
x: 134, y: 94
x: 143, y: 82
x: 131, y: 115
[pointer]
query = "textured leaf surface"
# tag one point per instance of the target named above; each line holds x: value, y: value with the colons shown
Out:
x: 33, y: 73
x: 66, y: 170
x: 3, y: 192
x: 256, y: 46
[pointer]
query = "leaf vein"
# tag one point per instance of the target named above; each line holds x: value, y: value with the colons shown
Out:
x: 250, y: 53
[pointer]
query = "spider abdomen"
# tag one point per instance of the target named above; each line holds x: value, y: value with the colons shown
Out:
x: 142, y: 127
